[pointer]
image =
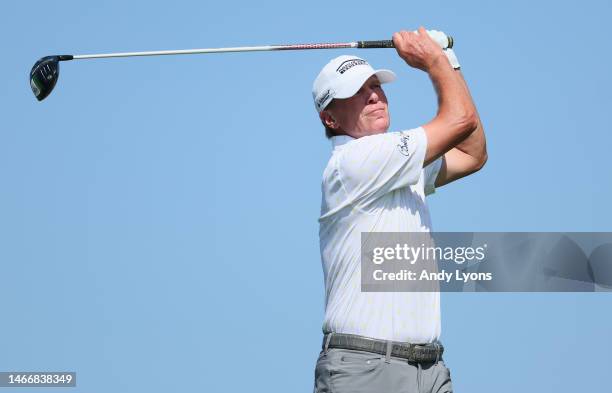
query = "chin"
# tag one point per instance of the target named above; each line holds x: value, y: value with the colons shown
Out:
x: 381, y: 125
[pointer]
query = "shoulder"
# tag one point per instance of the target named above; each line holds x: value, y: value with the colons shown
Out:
x: 382, y: 146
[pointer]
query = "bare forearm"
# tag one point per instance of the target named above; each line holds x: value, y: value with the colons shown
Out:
x: 475, y: 144
x: 456, y: 117
x: 454, y: 100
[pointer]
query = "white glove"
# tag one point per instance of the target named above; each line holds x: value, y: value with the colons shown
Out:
x: 452, y: 58
x: 441, y: 39
x: 438, y: 36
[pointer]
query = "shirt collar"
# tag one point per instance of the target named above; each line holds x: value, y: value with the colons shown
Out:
x: 341, y: 140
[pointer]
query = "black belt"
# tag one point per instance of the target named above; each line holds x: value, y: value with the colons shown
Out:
x: 421, y: 353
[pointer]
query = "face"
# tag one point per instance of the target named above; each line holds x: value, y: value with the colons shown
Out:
x: 365, y: 113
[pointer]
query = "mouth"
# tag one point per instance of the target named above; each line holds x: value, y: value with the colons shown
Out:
x: 377, y: 112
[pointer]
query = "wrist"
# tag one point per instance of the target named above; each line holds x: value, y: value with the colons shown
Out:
x: 438, y: 61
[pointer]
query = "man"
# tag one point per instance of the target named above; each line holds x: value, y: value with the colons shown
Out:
x: 376, y: 181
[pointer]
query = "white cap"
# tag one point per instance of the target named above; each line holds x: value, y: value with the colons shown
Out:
x: 342, y: 77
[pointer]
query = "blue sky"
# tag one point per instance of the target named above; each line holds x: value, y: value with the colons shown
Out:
x: 158, y: 216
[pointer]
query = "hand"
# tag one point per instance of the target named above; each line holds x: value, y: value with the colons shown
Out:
x: 418, y: 50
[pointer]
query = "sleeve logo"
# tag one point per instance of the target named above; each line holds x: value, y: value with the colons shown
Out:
x: 403, y: 145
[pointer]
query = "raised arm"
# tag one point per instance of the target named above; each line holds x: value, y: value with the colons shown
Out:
x: 456, y: 118
x: 466, y: 157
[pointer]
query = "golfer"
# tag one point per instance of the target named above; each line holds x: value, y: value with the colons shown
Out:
x: 376, y: 181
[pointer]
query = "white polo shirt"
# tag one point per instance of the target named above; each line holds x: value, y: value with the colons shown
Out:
x: 375, y: 184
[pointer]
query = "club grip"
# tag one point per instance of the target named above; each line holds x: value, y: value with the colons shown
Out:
x: 445, y: 41
x: 375, y: 44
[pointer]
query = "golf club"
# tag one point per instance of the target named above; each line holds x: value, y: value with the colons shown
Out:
x: 45, y: 72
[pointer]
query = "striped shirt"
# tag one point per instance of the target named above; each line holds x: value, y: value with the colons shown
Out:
x: 375, y: 183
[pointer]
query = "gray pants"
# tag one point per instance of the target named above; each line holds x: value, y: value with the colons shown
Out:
x: 350, y: 371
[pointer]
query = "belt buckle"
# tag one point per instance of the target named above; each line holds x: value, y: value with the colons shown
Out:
x: 423, y: 352
x: 405, y: 351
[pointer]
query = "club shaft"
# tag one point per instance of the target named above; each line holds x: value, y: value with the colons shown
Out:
x: 222, y: 50
x: 443, y: 40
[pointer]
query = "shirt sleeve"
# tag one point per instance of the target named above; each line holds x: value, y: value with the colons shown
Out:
x: 374, y: 165
x: 431, y: 173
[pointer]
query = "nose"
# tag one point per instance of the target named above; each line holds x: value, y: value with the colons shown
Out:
x: 373, y: 96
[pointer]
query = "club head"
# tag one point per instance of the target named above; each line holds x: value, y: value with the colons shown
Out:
x: 43, y: 76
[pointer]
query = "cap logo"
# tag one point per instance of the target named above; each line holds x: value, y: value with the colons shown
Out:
x: 348, y: 64
x: 324, y: 97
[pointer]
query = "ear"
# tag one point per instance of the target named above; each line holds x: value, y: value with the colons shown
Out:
x: 329, y: 120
